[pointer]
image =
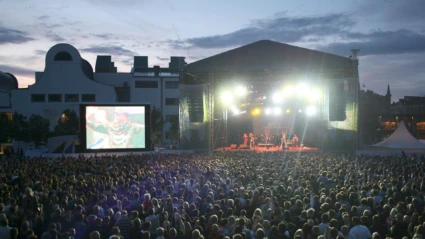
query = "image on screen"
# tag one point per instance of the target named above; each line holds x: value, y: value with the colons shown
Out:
x: 115, y: 127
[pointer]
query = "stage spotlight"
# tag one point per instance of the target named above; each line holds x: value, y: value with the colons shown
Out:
x: 268, y: 111
x: 315, y: 95
x: 277, y: 111
x: 288, y: 111
x: 226, y: 97
x: 256, y: 111
x: 240, y: 91
x: 277, y: 98
x: 300, y: 111
x: 302, y: 90
x: 311, y: 110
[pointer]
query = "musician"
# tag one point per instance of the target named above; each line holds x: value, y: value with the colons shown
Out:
x: 283, y: 140
x: 245, y: 139
x: 295, y: 141
x: 252, y: 142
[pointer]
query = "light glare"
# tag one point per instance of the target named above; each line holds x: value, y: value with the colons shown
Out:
x: 315, y: 95
x: 311, y: 110
x: 277, y: 111
x: 240, y: 91
x: 277, y: 98
x: 268, y: 111
x: 227, y: 97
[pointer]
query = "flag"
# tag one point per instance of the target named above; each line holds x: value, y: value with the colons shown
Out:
x: 363, y: 85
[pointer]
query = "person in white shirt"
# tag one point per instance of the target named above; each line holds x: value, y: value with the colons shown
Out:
x: 359, y: 231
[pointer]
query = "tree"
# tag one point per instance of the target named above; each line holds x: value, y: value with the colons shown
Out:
x: 5, y: 128
x: 68, y: 123
x: 19, y: 128
x: 157, y: 124
x: 174, y: 128
x: 38, y: 129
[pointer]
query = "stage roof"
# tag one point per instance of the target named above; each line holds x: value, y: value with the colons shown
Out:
x: 266, y: 55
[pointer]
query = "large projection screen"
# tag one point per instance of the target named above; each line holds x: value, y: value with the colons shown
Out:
x: 115, y: 127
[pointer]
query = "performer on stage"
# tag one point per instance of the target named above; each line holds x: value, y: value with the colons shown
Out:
x: 295, y: 141
x: 283, y: 141
x: 245, y: 139
x: 252, y: 142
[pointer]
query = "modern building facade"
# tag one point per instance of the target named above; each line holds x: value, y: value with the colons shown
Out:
x: 68, y: 80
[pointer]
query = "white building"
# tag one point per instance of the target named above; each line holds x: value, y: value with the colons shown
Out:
x: 68, y: 81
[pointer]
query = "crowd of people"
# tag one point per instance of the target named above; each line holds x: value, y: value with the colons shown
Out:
x: 236, y: 195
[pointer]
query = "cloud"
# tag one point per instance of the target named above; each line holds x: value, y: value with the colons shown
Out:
x: 16, y: 70
x: 12, y: 36
x: 279, y: 28
x: 162, y: 58
x: 380, y: 43
x: 40, y: 52
x: 43, y: 17
x: 110, y: 50
x: 105, y: 36
x: 54, y: 37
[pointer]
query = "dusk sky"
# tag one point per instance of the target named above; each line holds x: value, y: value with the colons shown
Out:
x: 389, y: 33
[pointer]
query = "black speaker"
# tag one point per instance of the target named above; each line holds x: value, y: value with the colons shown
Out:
x: 337, y: 101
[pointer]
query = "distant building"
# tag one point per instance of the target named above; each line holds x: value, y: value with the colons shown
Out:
x: 68, y: 80
x: 411, y: 110
x: 8, y: 82
x: 371, y: 107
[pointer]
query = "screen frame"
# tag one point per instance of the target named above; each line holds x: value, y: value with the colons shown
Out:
x: 83, y: 129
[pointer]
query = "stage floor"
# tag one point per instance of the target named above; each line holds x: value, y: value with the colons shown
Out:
x: 270, y: 149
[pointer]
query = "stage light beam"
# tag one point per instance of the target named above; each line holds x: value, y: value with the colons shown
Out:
x: 315, y: 95
x: 268, y: 111
x: 288, y: 90
x: 302, y: 90
x: 277, y: 111
x: 311, y: 110
x: 240, y: 91
x: 235, y: 111
x: 277, y: 98
x: 256, y: 111
x: 226, y: 97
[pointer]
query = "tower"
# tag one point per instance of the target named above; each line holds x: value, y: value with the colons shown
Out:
x: 388, y: 95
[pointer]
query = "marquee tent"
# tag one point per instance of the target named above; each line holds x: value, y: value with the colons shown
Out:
x: 401, y: 139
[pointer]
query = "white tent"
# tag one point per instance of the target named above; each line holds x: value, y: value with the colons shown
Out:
x: 401, y: 139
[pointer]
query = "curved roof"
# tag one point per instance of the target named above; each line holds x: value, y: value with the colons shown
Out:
x: 8, y: 81
x: 87, y: 68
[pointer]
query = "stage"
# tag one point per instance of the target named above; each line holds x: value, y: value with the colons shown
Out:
x: 267, y: 149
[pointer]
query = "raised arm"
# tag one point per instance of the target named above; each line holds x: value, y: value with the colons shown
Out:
x: 97, y: 125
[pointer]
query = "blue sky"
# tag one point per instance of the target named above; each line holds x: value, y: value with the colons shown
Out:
x: 389, y: 33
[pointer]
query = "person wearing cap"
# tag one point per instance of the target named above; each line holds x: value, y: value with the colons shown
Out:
x: 121, y: 132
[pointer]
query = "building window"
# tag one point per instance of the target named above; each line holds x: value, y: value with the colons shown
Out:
x: 55, y: 98
x: 63, y: 56
x: 171, y: 101
x: 170, y: 118
x: 171, y: 84
x: 38, y: 98
x: 146, y: 84
x: 88, y: 98
x: 72, y: 98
